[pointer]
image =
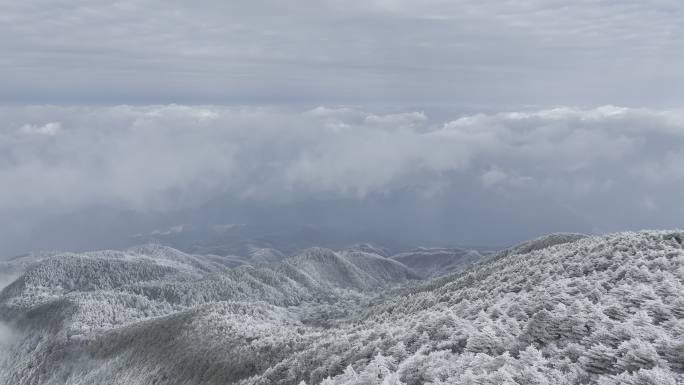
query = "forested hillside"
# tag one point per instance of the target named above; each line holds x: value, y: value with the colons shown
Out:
x: 435, y: 262
x: 558, y: 310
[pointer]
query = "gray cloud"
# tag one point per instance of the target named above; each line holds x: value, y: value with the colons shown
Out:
x: 518, y: 173
x: 408, y: 52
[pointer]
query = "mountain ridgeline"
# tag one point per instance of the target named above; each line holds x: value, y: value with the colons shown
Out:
x: 561, y: 309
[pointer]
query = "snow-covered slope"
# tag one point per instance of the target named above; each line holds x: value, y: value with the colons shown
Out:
x: 434, y: 262
x: 540, y: 243
x: 593, y: 310
x: 11, y: 268
x: 369, y: 248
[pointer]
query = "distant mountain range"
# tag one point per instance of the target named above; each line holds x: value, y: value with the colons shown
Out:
x: 561, y: 309
x: 241, y: 239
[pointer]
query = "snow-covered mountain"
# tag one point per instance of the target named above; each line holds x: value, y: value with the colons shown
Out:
x: 252, y: 240
x: 558, y: 310
x: 540, y: 243
x: 434, y: 262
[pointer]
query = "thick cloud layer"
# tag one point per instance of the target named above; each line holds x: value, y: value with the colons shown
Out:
x: 76, y: 177
x: 485, y: 178
x: 479, y: 52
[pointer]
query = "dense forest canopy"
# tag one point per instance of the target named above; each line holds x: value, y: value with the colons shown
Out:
x: 562, y: 309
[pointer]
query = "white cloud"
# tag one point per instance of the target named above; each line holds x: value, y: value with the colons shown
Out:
x: 169, y: 155
x: 596, y: 164
x: 172, y: 230
x: 49, y: 129
x: 493, y: 177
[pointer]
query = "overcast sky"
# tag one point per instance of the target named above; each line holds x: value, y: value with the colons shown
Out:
x: 479, y: 122
x: 472, y: 52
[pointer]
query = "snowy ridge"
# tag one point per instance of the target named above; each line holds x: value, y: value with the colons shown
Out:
x: 349, y: 269
x: 203, y: 263
x: 369, y: 248
x: 264, y: 254
x: 541, y: 243
x: 433, y: 262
